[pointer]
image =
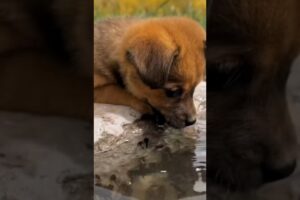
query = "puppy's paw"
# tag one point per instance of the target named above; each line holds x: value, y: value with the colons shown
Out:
x: 149, y: 126
x: 156, y: 118
x: 142, y: 107
x: 147, y: 117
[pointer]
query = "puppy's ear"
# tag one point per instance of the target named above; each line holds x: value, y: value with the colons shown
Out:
x: 153, y: 62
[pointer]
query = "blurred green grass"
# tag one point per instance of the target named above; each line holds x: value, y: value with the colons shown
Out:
x: 195, y: 9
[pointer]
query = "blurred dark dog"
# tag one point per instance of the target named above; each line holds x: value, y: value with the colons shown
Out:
x: 251, y: 46
x: 46, y: 57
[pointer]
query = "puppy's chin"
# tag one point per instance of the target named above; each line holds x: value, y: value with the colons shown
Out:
x: 170, y: 119
x: 175, y: 122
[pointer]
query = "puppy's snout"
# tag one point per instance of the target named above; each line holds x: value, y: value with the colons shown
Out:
x: 273, y: 174
x: 190, y: 120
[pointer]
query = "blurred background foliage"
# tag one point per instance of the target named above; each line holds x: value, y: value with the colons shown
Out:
x: 195, y: 9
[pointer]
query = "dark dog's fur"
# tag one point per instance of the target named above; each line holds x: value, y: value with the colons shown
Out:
x: 252, y: 44
x: 158, y: 62
x: 46, y: 57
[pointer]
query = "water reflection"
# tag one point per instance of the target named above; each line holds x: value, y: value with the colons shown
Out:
x: 167, y: 165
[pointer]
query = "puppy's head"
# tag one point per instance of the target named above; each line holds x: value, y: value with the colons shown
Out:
x: 164, y: 61
x: 250, y: 135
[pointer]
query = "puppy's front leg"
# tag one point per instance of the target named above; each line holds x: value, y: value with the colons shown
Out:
x: 114, y: 94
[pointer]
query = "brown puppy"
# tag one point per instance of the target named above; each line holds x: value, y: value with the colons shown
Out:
x: 150, y: 63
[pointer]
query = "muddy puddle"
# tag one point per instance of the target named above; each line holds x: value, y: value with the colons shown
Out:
x: 148, y: 163
x: 137, y: 160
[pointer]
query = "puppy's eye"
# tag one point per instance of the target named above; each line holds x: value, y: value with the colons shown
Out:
x: 173, y: 93
x: 228, y: 73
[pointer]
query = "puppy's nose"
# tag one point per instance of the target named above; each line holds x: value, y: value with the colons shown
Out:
x: 271, y: 174
x: 190, y: 121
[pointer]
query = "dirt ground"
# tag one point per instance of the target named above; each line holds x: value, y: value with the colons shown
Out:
x: 44, y: 158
